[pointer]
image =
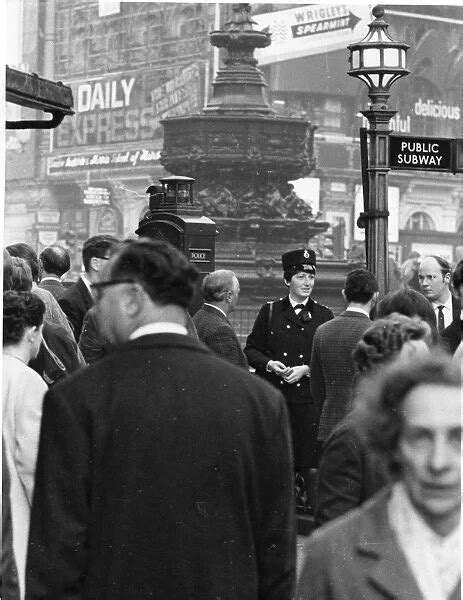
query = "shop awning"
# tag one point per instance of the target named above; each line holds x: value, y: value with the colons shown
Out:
x: 32, y: 91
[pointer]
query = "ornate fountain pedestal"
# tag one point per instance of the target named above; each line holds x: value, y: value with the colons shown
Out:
x: 242, y: 156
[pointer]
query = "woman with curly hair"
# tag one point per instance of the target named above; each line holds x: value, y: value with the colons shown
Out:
x: 348, y: 474
x: 23, y: 392
x: 388, y: 338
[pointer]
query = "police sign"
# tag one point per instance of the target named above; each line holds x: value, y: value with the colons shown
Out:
x: 424, y: 154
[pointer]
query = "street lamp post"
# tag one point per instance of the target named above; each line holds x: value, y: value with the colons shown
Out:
x: 378, y: 61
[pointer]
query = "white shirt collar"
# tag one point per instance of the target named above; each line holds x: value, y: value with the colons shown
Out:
x: 161, y: 327
x: 357, y: 309
x: 50, y: 278
x: 433, y: 560
x: 295, y: 302
x: 216, y: 307
x: 87, y: 283
x: 447, y: 303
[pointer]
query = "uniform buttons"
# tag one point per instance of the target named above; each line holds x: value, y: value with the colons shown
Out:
x: 288, y: 326
x: 281, y: 382
x: 298, y: 385
x: 285, y: 354
x: 301, y: 356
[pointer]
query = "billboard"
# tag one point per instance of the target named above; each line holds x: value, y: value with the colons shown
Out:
x: 311, y: 29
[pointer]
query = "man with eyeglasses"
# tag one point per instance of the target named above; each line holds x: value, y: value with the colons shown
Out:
x: 163, y: 470
x: 78, y: 298
x: 279, y: 347
x: 434, y: 276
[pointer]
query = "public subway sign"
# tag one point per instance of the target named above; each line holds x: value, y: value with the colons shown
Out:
x: 420, y: 153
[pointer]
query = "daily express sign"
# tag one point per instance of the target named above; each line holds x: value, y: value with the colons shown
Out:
x: 311, y: 29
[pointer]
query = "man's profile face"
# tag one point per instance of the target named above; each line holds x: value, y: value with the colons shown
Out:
x: 429, y: 453
x: 301, y: 285
x: 432, y: 283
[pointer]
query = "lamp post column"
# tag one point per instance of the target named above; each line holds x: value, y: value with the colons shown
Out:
x: 376, y: 232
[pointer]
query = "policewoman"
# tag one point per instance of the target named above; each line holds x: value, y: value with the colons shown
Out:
x: 280, y: 345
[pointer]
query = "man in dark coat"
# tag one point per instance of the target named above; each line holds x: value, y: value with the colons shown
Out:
x: 279, y: 347
x: 78, y: 298
x: 220, y: 292
x: 162, y: 471
x: 404, y: 543
x: 332, y: 368
x: 55, y: 262
x: 451, y: 336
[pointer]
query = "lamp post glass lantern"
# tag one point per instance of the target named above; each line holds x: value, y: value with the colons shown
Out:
x: 378, y: 61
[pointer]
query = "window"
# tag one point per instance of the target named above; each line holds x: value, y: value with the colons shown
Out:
x: 420, y: 221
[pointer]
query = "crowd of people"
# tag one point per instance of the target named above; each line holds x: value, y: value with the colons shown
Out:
x: 146, y: 454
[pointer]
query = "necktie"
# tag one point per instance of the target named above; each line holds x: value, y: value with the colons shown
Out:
x: 440, y: 319
x: 298, y: 308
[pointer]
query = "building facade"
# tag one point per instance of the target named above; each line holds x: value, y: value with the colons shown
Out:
x: 132, y: 64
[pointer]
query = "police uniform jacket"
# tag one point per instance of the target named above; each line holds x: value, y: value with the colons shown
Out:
x: 287, y: 339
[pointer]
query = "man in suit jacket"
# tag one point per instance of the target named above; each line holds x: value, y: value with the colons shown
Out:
x: 434, y: 276
x: 279, y: 347
x: 332, y: 368
x: 55, y: 262
x: 404, y: 542
x: 220, y: 292
x: 78, y: 298
x: 163, y: 471
x: 451, y: 336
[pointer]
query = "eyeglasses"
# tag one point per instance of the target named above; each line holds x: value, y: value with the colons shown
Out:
x: 99, y: 285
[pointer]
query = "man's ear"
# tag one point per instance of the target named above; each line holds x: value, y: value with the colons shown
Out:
x: 343, y: 293
x: 447, y: 278
x: 95, y: 263
x: 133, y: 300
x: 286, y: 283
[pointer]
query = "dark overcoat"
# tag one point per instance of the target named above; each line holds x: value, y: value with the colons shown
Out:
x: 163, y: 471
x: 349, y: 472
x: 357, y: 557
x: 216, y: 331
x: 289, y: 339
x: 75, y: 303
x: 332, y: 369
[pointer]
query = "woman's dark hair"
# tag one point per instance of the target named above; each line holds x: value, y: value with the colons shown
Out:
x: 22, y: 250
x: 384, y: 339
x: 21, y: 275
x: 457, y: 277
x: 20, y: 310
x: 410, y: 303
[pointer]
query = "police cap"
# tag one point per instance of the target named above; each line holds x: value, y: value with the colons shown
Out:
x: 299, y: 260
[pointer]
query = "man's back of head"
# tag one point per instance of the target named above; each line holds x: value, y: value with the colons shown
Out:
x: 221, y: 288
x: 360, y: 287
x: 55, y: 260
x: 144, y: 281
